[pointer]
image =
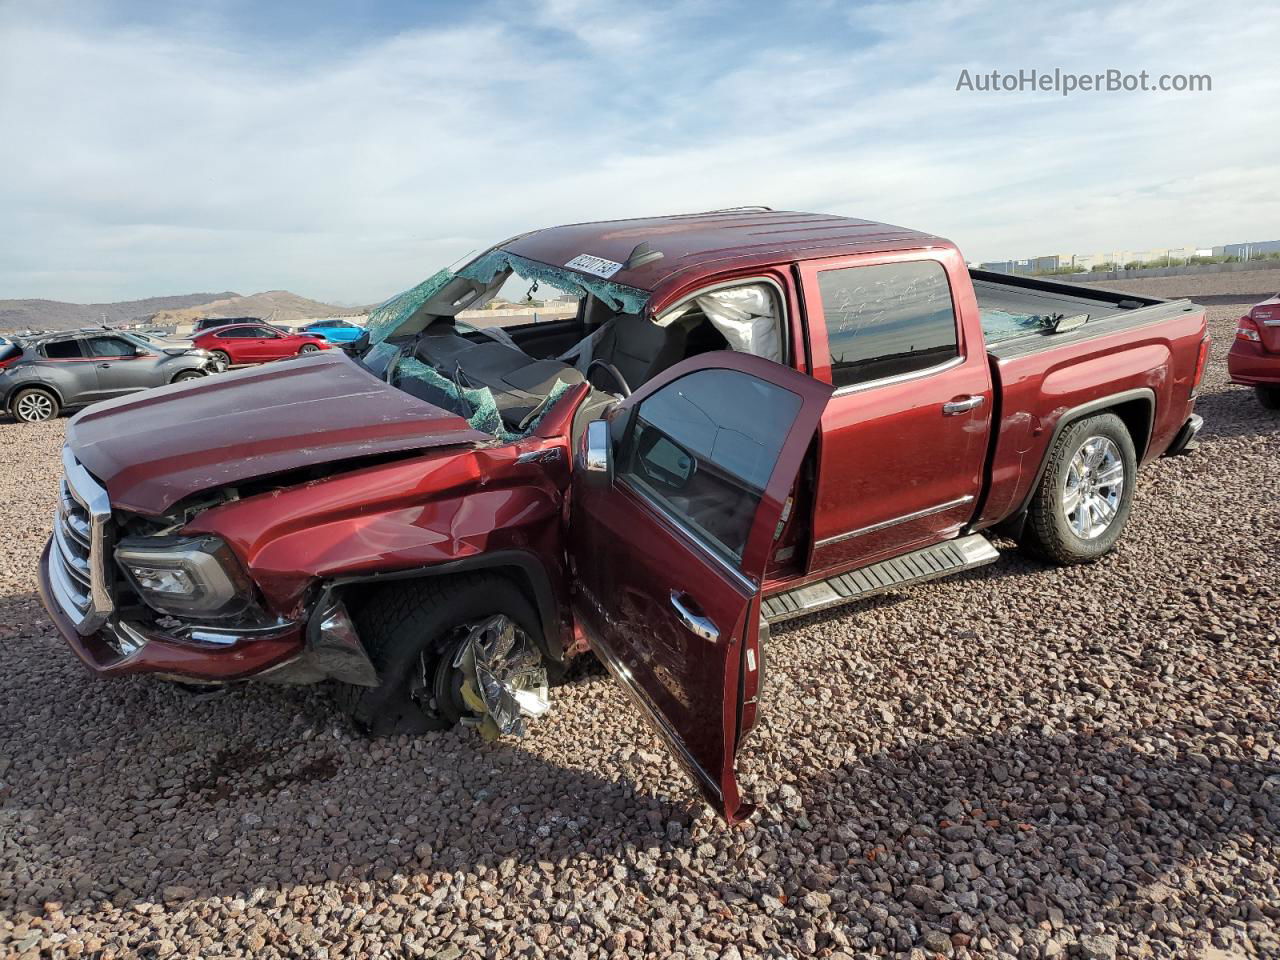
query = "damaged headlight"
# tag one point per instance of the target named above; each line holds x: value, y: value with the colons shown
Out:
x: 186, y: 577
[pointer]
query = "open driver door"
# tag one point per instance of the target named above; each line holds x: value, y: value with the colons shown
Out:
x: 676, y: 501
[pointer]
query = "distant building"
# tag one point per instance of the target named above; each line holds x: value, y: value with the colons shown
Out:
x: 1084, y: 262
x: 1247, y: 251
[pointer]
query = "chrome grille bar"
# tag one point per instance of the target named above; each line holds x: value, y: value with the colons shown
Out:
x: 78, y: 560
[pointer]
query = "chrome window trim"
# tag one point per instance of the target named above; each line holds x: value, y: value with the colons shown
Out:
x: 740, y: 578
x: 905, y: 518
x: 899, y: 377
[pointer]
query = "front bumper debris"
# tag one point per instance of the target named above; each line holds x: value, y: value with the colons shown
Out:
x: 504, y: 679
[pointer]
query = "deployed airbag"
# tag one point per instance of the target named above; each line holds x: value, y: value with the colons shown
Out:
x: 746, y: 316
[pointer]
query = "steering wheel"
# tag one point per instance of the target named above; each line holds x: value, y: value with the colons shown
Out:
x: 614, y: 372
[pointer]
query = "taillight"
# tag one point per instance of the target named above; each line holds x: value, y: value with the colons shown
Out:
x: 1246, y: 329
x: 1202, y: 361
x: 10, y: 361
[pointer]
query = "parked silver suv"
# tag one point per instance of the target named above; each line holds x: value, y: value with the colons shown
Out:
x: 45, y: 374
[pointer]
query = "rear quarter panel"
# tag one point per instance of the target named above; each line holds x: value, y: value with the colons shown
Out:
x: 1040, y: 390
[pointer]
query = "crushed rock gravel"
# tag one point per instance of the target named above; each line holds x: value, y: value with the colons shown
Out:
x: 1021, y: 762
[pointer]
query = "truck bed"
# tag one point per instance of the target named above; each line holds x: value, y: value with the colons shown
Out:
x: 1018, y: 312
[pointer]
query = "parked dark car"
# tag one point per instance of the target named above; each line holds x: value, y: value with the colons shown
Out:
x: 255, y: 343
x: 208, y: 323
x: 44, y: 375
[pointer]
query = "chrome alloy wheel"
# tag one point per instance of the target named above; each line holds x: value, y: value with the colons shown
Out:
x: 1093, y: 487
x: 35, y: 407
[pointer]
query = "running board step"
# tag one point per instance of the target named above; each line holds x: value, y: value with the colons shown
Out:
x: 940, y: 560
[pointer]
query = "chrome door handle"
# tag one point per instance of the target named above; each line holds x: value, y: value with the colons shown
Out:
x: 699, y: 626
x: 953, y: 407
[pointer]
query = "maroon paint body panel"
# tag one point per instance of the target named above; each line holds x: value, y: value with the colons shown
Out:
x: 1038, y: 390
x: 888, y: 451
x: 636, y: 565
x: 156, y: 448
x: 1254, y: 357
x: 443, y: 506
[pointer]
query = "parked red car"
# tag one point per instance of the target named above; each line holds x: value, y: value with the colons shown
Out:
x: 242, y: 343
x: 1254, y: 358
x: 754, y: 415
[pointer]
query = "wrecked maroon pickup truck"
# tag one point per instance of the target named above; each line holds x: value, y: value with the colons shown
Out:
x: 752, y: 416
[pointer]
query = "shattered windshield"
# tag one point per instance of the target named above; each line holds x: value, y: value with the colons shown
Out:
x: 404, y: 313
x: 386, y: 318
x: 444, y: 341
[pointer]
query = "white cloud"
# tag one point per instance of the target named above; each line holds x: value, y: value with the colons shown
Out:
x: 154, y: 160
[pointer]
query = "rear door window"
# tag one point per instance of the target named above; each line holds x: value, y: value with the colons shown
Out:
x: 238, y: 333
x: 110, y: 347
x: 63, y: 350
x: 886, y: 320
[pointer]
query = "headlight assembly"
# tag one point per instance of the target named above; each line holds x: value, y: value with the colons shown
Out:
x: 192, y: 577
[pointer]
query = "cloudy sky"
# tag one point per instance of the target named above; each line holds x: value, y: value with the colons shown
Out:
x: 153, y: 149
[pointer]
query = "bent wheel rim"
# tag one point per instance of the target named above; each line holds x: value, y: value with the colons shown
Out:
x: 1093, y: 487
x: 35, y: 407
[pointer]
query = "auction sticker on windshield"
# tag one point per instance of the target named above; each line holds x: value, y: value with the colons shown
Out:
x: 596, y: 266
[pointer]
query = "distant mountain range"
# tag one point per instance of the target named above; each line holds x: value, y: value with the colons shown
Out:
x: 279, y: 306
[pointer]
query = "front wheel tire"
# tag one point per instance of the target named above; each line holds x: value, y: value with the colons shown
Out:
x: 308, y: 348
x: 1083, y: 501
x: 1269, y: 397
x: 412, y: 630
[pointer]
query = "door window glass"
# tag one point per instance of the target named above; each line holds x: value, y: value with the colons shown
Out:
x: 110, y: 347
x: 238, y: 333
x: 704, y: 447
x: 887, y: 319
x: 63, y: 350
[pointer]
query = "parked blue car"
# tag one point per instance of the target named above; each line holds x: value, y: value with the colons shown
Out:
x: 335, y: 331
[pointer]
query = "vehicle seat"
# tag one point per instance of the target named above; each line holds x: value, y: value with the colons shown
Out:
x: 518, y: 381
x: 639, y: 348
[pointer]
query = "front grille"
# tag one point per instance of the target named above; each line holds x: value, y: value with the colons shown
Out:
x: 78, y: 557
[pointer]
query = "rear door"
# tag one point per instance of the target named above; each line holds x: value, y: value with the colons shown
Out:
x: 905, y: 435
x: 67, y: 367
x: 669, y: 551
x: 264, y: 344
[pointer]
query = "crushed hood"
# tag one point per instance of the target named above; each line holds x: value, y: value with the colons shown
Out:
x: 161, y: 446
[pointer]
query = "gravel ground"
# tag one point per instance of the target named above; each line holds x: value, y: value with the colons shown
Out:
x: 1021, y: 762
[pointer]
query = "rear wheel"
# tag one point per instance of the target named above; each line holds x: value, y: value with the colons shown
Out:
x: 1269, y: 397
x: 413, y: 631
x: 221, y: 358
x: 34, y: 405
x: 1083, y: 501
